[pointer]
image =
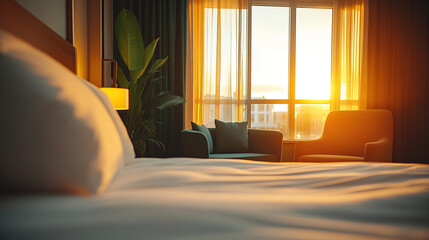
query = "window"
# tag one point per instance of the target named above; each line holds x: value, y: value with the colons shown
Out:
x: 290, y: 67
x: 261, y: 118
x: 273, y: 57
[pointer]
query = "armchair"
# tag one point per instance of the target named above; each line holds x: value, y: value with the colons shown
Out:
x: 362, y: 135
x: 264, y: 145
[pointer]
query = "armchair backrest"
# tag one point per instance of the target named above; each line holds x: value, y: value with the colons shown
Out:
x: 261, y: 141
x: 213, y: 134
x: 346, y: 132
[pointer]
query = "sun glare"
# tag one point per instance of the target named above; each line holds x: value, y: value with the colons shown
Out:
x: 313, y: 53
x: 270, y: 53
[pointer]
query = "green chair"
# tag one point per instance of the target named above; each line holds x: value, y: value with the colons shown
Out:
x: 264, y: 145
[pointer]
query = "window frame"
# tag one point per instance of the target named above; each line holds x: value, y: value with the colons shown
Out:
x: 291, y: 101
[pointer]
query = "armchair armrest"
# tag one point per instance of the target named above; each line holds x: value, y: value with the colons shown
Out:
x: 308, y: 147
x: 379, y: 151
x: 195, y: 144
x: 266, y: 141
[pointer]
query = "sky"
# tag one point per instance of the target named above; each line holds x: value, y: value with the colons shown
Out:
x: 270, y: 52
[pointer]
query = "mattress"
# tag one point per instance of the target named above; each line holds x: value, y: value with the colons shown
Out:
x: 183, y: 198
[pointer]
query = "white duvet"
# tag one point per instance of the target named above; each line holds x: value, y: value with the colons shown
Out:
x: 182, y: 198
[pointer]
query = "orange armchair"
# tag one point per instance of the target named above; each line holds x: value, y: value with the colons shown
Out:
x: 361, y: 135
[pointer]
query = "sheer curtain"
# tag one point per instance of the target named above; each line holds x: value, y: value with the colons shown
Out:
x: 349, y: 58
x: 217, y: 60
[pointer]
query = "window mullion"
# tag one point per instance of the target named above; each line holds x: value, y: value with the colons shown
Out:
x: 292, y: 57
x: 334, y: 98
x: 249, y: 65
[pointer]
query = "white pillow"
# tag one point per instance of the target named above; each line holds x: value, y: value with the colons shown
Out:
x: 55, y: 133
x: 129, y: 153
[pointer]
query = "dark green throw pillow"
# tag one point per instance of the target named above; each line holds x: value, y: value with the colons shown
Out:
x: 204, y: 130
x: 231, y: 137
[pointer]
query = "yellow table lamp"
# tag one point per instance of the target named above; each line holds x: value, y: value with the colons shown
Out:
x: 118, y: 96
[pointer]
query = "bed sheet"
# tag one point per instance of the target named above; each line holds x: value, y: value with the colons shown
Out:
x: 184, y: 198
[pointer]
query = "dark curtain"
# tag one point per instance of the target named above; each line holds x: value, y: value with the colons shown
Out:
x: 398, y: 72
x: 165, y: 19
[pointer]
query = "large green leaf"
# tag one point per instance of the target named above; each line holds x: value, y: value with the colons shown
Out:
x: 130, y: 42
x: 148, y: 53
x: 167, y: 99
x: 135, y: 75
x: 157, y: 64
x: 147, y: 56
x: 122, y: 80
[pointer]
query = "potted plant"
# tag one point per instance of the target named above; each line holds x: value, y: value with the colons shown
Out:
x: 142, y: 81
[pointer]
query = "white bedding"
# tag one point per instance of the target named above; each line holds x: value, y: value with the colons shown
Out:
x: 181, y: 198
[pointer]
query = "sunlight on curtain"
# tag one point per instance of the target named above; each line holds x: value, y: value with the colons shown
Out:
x: 349, y: 63
x: 218, y: 60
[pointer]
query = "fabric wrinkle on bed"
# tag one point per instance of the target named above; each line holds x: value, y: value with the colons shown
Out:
x: 184, y: 198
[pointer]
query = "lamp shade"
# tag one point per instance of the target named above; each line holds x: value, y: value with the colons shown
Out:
x: 118, y: 97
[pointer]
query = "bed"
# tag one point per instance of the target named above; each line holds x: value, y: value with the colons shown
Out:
x: 53, y: 187
x: 185, y: 198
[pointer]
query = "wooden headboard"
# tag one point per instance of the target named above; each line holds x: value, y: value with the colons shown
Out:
x: 18, y: 21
